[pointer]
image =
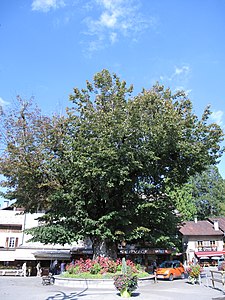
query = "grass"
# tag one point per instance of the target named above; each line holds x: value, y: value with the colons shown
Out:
x: 87, y: 275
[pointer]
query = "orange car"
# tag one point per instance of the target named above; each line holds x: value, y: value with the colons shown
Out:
x: 170, y: 269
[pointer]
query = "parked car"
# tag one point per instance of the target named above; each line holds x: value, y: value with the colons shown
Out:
x: 170, y: 269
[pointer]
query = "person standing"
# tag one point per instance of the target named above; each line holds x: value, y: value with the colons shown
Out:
x: 154, y: 266
x: 38, y: 267
x: 29, y: 270
x: 55, y: 267
x: 24, y: 269
x: 62, y: 266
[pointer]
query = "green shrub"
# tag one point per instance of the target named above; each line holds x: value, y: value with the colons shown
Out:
x: 95, y: 269
x: 101, y: 267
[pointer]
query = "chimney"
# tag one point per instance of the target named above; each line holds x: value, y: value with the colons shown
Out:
x: 216, y: 225
x: 196, y: 220
x: 5, y: 204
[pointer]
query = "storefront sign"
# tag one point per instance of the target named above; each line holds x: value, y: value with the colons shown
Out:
x: 144, y: 251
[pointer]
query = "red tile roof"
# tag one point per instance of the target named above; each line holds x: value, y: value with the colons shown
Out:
x: 199, y: 228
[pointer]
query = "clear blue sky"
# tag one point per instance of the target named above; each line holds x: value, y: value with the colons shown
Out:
x: 50, y: 46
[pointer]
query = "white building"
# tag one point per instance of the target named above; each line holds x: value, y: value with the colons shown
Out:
x: 203, y: 240
x: 15, y: 247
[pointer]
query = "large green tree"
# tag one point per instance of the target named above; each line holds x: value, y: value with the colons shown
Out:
x: 28, y: 143
x: 208, y: 192
x: 107, y: 164
x: 184, y: 201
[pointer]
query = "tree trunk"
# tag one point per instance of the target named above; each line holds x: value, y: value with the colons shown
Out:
x: 104, y: 248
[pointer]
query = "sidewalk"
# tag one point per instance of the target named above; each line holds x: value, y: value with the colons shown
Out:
x: 31, y: 288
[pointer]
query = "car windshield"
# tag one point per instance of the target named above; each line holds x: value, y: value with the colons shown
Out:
x: 169, y: 264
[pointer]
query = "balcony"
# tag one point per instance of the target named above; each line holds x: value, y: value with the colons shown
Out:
x: 207, y: 248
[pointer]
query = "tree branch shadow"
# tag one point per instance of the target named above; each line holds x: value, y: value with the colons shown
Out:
x: 63, y: 296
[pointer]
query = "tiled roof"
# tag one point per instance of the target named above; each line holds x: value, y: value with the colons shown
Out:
x: 221, y: 221
x: 199, y: 228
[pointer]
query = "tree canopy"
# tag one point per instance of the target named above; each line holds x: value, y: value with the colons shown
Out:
x: 102, y: 170
x: 208, y: 192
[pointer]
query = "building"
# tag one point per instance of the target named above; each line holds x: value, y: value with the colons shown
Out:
x: 15, y: 247
x: 203, y: 241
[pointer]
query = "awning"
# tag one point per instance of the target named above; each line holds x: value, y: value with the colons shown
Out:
x: 7, y: 255
x: 210, y: 254
x: 52, y: 254
x: 81, y: 250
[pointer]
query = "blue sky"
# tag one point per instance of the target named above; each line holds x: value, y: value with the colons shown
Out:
x: 48, y: 47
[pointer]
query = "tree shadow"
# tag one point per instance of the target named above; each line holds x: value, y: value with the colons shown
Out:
x: 63, y: 296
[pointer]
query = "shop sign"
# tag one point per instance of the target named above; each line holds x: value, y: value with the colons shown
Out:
x: 143, y: 251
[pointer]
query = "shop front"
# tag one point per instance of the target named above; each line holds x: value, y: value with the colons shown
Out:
x: 209, y: 258
x: 141, y: 255
x: 145, y: 256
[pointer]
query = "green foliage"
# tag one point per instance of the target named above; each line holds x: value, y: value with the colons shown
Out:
x: 88, y: 275
x: 194, y: 271
x: 127, y: 280
x: 124, y: 282
x: 98, y: 276
x: 105, y: 166
x: 73, y: 270
x: 203, y: 196
x: 95, y: 269
x: 208, y: 192
x: 184, y: 202
x: 29, y: 140
x: 51, y: 233
x: 102, y: 267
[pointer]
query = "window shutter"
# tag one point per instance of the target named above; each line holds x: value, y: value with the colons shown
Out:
x: 16, y: 244
x: 7, y: 242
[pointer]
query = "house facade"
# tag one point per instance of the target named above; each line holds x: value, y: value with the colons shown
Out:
x: 15, y: 247
x: 203, y: 241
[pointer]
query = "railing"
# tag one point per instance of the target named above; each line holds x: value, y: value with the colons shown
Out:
x: 207, y: 248
x: 217, y: 276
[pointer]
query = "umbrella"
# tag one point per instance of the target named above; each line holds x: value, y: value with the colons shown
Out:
x: 216, y: 257
x: 204, y: 257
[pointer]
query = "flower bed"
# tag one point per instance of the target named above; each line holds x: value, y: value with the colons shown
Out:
x: 100, y: 268
x: 99, y: 273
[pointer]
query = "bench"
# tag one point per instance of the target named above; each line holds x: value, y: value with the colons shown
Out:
x: 11, y: 272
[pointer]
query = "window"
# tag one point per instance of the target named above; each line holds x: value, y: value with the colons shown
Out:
x: 209, y: 243
x: 200, y: 243
x: 11, y: 242
x: 10, y: 227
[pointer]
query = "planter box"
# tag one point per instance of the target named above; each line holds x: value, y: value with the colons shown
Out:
x: 94, y: 283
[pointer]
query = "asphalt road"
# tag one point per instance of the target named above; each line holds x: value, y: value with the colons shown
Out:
x: 31, y: 288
